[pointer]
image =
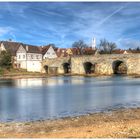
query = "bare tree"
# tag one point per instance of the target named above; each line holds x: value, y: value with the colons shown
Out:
x: 106, y: 47
x: 80, y: 45
x: 112, y: 46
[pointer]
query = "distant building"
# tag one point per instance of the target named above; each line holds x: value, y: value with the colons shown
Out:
x: 119, y: 51
x: 48, y: 52
x: 93, y: 45
x: 89, y: 51
x: 61, y: 52
x: 69, y: 51
x: 73, y: 51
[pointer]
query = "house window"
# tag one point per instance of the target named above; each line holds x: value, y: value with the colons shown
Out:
x: 31, y: 56
x: 19, y: 57
x: 37, y: 57
x: 23, y: 56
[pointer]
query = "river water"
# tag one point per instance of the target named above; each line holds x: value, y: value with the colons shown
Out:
x: 57, y: 97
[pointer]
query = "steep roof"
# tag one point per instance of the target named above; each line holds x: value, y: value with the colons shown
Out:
x: 31, y: 48
x: 13, y: 47
x: 44, y: 49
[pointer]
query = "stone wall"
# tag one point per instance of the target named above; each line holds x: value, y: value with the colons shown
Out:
x: 103, y: 63
x: 56, y: 62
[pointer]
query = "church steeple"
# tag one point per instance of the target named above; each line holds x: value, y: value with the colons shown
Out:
x: 93, y: 43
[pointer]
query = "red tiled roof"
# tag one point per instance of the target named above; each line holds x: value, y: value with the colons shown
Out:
x: 134, y: 51
x: 89, y: 50
x: 118, y: 51
x: 61, y: 52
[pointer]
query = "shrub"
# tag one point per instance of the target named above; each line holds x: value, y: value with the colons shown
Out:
x: 5, y: 60
x: 1, y: 71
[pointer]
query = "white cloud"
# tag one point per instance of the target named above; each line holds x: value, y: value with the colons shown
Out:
x: 64, y: 23
x: 5, y: 30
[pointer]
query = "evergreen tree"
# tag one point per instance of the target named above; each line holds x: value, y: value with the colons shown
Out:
x: 5, y: 60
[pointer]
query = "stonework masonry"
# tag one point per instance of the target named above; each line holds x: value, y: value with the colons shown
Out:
x: 103, y: 63
x: 56, y: 62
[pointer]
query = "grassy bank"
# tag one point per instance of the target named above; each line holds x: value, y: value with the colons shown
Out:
x: 123, y: 123
x: 19, y: 73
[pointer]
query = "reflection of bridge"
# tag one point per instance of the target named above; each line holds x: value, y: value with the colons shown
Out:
x: 98, y: 64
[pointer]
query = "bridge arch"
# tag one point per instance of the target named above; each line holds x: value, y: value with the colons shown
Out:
x: 46, y: 68
x: 89, y: 67
x: 66, y: 67
x: 119, y: 67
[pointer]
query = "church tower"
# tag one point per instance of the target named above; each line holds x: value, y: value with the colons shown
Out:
x: 93, y: 44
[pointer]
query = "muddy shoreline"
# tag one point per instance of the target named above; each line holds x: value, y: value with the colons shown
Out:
x: 122, y: 123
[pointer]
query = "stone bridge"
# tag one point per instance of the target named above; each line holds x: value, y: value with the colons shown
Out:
x: 107, y: 64
x: 56, y: 65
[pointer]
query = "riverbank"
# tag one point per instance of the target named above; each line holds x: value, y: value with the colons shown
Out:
x: 22, y: 73
x: 123, y: 123
x: 44, y: 75
x: 21, y: 76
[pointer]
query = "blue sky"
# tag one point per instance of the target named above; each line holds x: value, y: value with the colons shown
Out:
x: 62, y: 23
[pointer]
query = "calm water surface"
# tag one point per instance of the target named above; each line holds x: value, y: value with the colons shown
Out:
x: 55, y: 97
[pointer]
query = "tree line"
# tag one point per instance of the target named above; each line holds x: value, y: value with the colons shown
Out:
x: 5, y: 61
x: 104, y: 47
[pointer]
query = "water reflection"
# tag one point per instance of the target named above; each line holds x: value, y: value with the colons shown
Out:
x: 8, y: 82
x: 47, y: 81
x: 48, y: 98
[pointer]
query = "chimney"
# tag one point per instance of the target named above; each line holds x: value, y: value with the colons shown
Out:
x: 27, y: 48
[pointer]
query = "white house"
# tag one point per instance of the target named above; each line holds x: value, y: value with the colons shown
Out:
x: 49, y: 52
x: 29, y: 57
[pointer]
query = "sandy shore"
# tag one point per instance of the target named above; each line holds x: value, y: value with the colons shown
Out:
x: 124, y: 123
